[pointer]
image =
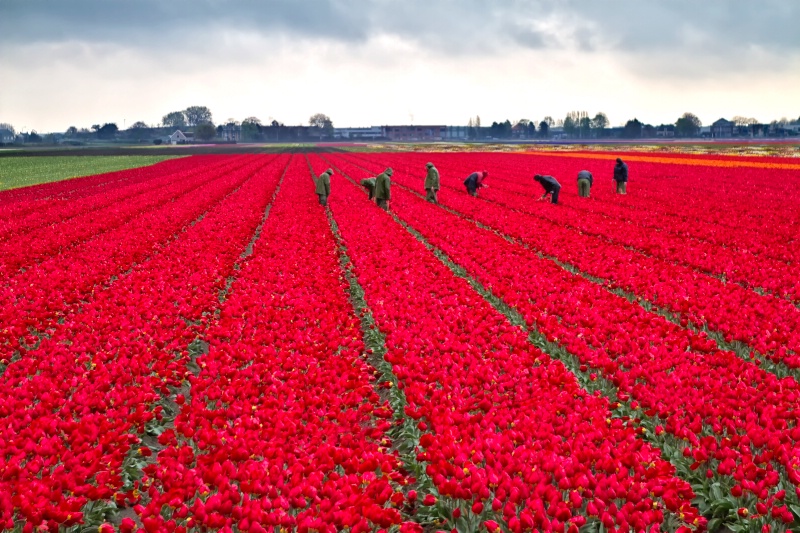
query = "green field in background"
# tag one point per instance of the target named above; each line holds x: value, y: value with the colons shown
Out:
x: 24, y: 171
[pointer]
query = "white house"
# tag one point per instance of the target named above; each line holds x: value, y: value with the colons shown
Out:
x: 6, y: 137
x: 178, y: 138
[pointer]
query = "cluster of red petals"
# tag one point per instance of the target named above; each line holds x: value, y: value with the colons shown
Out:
x: 767, y: 323
x: 47, y: 274
x: 284, y: 427
x: 736, y: 418
x: 503, y: 426
x: 73, y: 409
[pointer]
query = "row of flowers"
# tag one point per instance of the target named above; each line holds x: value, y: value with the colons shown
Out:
x: 34, y: 300
x: 671, y: 240
x: 737, y: 250
x: 717, y: 206
x: 505, y: 434
x: 76, y: 414
x: 36, y: 246
x: 36, y: 207
x: 730, y: 419
x: 705, y: 160
x: 768, y: 324
x: 284, y: 427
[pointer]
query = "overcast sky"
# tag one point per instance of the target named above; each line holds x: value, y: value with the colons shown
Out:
x: 372, y: 62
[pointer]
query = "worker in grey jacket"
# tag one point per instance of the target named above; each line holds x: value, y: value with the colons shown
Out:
x: 323, y: 189
x: 585, y: 182
x: 550, y: 185
x: 383, y: 186
x: 369, y: 184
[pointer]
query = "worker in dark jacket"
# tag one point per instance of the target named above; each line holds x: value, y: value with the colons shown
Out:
x: 324, y: 186
x: 369, y: 184
x: 585, y: 182
x: 621, y: 176
x: 475, y: 181
x: 431, y: 184
x: 383, y: 186
x: 551, y: 186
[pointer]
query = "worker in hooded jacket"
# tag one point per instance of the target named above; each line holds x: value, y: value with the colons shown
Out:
x: 383, y: 186
x: 432, y: 184
x: 369, y: 184
x: 324, y: 186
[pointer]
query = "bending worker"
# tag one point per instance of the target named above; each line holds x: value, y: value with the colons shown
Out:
x: 324, y: 186
x: 621, y: 176
x: 432, y: 184
x: 383, y: 186
x: 551, y: 186
x: 475, y: 181
x: 585, y: 182
x: 369, y: 184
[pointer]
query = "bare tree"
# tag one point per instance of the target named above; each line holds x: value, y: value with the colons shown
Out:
x: 743, y: 121
x: 323, y: 123
x: 319, y: 120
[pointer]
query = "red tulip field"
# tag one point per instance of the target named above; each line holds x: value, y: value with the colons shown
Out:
x: 200, y: 345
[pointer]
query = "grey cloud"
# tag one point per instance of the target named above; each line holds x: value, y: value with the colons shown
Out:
x: 142, y: 22
x: 713, y: 28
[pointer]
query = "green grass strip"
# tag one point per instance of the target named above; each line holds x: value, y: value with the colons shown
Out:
x: 24, y: 171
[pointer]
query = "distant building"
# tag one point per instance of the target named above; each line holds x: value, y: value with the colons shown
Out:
x: 456, y: 133
x: 722, y: 129
x: 371, y: 133
x: 665, y: 130
x: 519, y: 131
x: 230, y: 132
x: 415, y: 133
x: 6, y: 137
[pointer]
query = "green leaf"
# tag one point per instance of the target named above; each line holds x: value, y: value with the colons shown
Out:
x: 722, y: 508
x: 795, y: 510
x: 716, y: 493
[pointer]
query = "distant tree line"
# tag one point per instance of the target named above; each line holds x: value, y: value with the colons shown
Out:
x: 580, y: 125
x: 198, y: 123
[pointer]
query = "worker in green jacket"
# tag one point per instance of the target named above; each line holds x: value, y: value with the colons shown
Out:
x: 369, y: 184
x: 324, y: 186
x: 383, y: 185
x: 432, y: 184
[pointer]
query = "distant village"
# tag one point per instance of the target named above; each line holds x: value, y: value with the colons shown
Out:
x: 575, y: 127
